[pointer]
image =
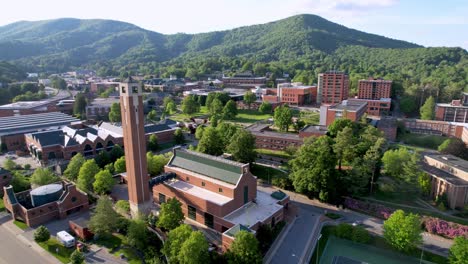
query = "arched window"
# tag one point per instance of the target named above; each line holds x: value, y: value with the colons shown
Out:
x: 73, y: 154
x: 88, y: 150
x: 51, y: 155
x: 110, y: 145
x: 99, y: 146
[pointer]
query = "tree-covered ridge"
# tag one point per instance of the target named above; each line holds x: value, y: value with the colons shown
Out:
x: 52, y: 44
x: 10, y: 72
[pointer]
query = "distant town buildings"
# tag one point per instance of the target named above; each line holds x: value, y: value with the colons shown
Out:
x: 244, y: 80
x: 333, y: 87
x: 61, y: 103
x: 349, y: 109
x: 45, y: 203
x: 219, y: 193
x: 449, y: 177
x: 456, y: 111
x: 99, y: 108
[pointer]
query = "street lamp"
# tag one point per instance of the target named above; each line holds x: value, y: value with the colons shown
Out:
x: 318, y: 248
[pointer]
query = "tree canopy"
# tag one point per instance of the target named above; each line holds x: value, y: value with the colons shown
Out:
x: 171, y: 215
x: 115, y: 115
x: 43, y: 176
x: 458, y: 253
x: 244, y: 249
x: 283, y: 117
x: 211, y: 142
x: 104, y: 219
x: 86, y: 175
x: 73, y: 168
x: 403, y: 231
x: 103, y: 182
x: 427, y: 111
x: 242, y: 146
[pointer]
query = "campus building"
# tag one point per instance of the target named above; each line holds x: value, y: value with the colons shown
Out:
x: 296, y: 94
x: 55, y: 104
x: 219, y: 193
x: 265, y: 138
x: 349, y: 109
x: 13, y: 128
x: 456, y: 111
x: 45, y: 203
x: 374, y: 89
x: 440, y: 128
x: 376, y: 107
x: 333, y: 87
x: 449, y: 176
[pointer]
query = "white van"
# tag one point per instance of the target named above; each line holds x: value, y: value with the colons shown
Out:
x: 66, y: 239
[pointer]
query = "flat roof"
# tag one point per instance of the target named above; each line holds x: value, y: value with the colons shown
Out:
x: 454, y: 106
x: 349, y: 105
x: 104, y: 101
x: 452, y: 179
x: 257, y: 127
x: 201, y: 193
x: 315, y: 129
x: 451, y: 160
x: 251, y: 213
x: 30, y: 123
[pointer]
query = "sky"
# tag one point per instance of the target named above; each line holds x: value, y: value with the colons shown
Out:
x: 425, y: 22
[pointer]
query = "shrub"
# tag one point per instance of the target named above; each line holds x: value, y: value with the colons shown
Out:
x: 444, y: 228
x: 77, y: 257
x: 376, y: 210
x: 344, y: 231
x: 360, y: 235
x: 122, y: 207
x: 41, y: 234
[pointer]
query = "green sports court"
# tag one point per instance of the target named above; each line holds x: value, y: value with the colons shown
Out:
x: 339, y: 251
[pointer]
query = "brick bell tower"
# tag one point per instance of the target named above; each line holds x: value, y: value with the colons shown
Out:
x: 131, y: 105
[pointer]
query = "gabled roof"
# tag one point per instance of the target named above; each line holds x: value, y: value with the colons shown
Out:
x: 49, y: 138
x: 210, y: 166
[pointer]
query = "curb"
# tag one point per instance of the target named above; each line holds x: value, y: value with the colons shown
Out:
x: 278, y: 241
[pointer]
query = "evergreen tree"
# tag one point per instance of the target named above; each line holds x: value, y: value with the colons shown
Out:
x: 428, y: 108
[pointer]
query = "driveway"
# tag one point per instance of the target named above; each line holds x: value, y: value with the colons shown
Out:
x: 294, y: 246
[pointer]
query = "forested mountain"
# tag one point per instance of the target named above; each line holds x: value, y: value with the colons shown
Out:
x: 301, y: 46
x: 64, y: 43
x: 9, y: 72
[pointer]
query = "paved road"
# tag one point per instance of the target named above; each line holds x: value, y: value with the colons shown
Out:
x: 15, y: 249
x: 296, y: 241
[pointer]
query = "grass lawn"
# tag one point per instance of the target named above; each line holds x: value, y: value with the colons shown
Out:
x: 2, y: 205
x: 423, y: 141
x: 130, y: 255
x: 310, y: 118
x: 250, y: 116
x: 377, y: 243
x: 166, y: 146
x: 111, y: 242
x: 183, y: 117
x: 274, y: 153
x: 21, y: 225
x: 333, y: 216
x: 63, y: 253
x: 267, y: 173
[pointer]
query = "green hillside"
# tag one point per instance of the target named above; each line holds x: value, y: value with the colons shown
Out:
x: 65, y: 43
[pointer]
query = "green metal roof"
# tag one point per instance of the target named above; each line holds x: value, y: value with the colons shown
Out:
x: 236, y: 229
x: 211, y: 166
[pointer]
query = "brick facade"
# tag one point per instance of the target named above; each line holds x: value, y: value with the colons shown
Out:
x: 374, y: 89
x: 333, y: 87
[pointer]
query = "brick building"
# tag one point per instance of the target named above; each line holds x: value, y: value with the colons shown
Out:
x: 296, y: 94
x: 349, y: 109
x: 244, y: 80
x: 456, y: 111
x: 13, y: 128
x: 99, y: 108
x: 36, y: 107
x: 218, y: 193
x: 63, y: 144
x: 441, y: 128
x: 43, y: 204
x: 5, y: 177
x: 269, y: 139
x: 376, y: 107
x: 333, y: 87
x: 374, y: 89
x: 449, y: 176
x: 98, y: 87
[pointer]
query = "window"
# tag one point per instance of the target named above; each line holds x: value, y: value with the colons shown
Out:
x: 220, y: 190
x: 203, y: 184
x: 73, y: 199
x: 123, y: 89
x: 192, y: 212
x: 162, y: 198
x: 246, y: 194
x: 209, y: 220
x: 135, y: 89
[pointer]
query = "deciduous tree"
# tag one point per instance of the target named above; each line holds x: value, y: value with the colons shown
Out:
x: 137, y: 234
x: 458, y: 253
x: 428, y: 108
x: 175, y: 240
x: 249, y: 98
x: 230, y: 110
x: 242, y: 146
x: 194, y: 250
x: 41, y: 234
x: 179, y: 136
x: 120, y: 165
x: 244, y: 249
x: 265, y: 108
x: 115, y: 114
x: 104, y: 182
x: 104, y: 219
x: 313, y: 169
x: 77, y: 257
x: 86, y: 175
x: 171, y: 215
x: 403, y: 231
x: 116, y: 152
x: 283, y: 117
x: 211, y: 143
x: 454, y: 146
x: 190, y: 105
x: 73, y: 168
x: 43, y: 176
x: 153, y: 143
x: 79, y: 107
